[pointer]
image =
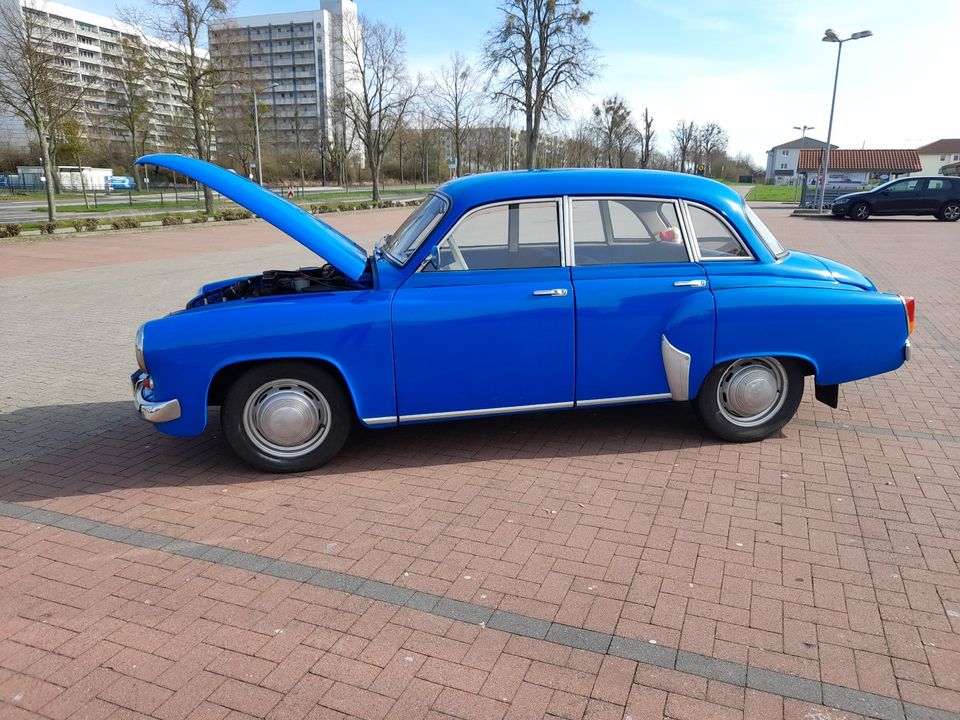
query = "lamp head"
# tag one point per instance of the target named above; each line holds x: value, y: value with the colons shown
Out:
x: 861, y: 34
x: 830, y: 36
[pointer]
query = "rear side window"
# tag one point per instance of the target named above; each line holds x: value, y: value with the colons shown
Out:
x: 621, y: 231
x: 938, y: 184
x: 714, y: 237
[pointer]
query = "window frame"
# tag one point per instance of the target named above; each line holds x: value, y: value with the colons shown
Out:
x: 558, y: 202
x: 695, y: 244
x: 677, y: 208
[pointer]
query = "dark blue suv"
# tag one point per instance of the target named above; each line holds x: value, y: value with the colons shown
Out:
x: 936, y: 195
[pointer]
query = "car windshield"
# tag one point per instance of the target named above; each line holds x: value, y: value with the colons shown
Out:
x: 401, y: 246
x: 768, y: 238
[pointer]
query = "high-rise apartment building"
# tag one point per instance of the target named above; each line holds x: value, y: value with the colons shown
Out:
x: 91, y: 50
x: 294, y: 61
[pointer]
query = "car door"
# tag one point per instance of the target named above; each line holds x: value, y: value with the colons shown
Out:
x: 636, y: 286
x: 486, y: 324
x: 935, y: 193
x: 902, y: 196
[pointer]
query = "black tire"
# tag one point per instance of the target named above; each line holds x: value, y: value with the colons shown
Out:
x: 306, y: 386
x: 950, y: 212
x: 719, y: 419
x: 860, y: 211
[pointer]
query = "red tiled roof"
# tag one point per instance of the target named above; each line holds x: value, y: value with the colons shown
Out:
x: 890, y: 160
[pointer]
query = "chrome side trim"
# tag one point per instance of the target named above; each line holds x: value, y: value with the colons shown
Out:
x: 624, y: 400
x: 485, y: 411
x: 677, y: 365
x: 385, y: 420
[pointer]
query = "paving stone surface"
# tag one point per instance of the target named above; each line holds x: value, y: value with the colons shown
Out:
x: 590, y: 564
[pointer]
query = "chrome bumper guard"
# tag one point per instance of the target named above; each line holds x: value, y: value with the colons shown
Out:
x: 907, y: 351
x: 155, y: 412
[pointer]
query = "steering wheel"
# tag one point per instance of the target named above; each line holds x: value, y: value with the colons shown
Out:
x: 458, y: 262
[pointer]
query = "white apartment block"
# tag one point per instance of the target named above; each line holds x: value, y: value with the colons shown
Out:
x: 89, y: 48
x: 295, y: 62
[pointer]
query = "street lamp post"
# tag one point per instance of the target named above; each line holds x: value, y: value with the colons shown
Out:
x: 830, y: 36
x: 803, y: 138
x: 256, y: 128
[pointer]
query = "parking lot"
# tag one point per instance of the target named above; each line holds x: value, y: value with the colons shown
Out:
x: 590, y: 564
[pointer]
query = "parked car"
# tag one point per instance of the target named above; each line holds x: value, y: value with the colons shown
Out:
x: 937, y: 195
x: 508, y: 293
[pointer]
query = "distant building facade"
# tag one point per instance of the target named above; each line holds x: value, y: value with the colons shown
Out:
x: 860, y: 167
x: 782, y: 159
x: 934, y: 156
x: 295, y: 63
x: 89, y: 47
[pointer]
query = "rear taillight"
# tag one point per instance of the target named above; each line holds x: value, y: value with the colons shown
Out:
x: 910, y: 306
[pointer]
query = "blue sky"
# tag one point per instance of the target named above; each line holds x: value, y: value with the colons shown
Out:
x: 756, y: 67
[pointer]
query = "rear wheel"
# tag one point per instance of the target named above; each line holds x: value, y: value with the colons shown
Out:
x: 949, y: 212
x: 750, y: 398
x: 860, y: 211
x: 286, y: 416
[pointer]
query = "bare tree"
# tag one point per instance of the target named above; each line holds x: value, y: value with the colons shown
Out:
x: 537, y: 54
x: 33, y: 84
x: 711, y: 140
x: 377, y: 91
x: 74, y: 145
x: 615, y: 129
x: 684, y: 137
x: 646, y: 138
x: 455, y: 100
x: 130, y: 101
x: 185, y: 24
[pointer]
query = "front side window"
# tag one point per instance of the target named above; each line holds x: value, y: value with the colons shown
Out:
x: 767, y: 237
x: 903, y: 186
x: 501, y: 237
x: 714, y: 238
x: 622, y: 232
x: 401, y: 246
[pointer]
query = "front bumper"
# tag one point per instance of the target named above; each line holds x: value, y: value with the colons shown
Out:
x: 840, y: 209
x: 151, y: 411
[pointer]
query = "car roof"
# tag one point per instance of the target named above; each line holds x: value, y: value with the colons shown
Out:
x: 492, y: 187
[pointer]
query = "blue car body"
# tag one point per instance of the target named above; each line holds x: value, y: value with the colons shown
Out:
x: 414, y: 345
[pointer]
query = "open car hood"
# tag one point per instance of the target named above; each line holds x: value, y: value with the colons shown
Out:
x: 330, y: 244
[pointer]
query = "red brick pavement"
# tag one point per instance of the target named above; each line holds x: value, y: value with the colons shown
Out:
x: 830, y: 553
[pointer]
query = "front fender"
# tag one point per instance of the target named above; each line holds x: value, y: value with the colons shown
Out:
x: 845, y: 334
x: 350, y: 330
x: 687, y: 345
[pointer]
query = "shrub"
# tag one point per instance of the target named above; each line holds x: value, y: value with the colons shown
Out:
x: 171, y: 220
x: 235, y: 214
x: 47, y: 228
x: 344, y: 206
x: 91, y: 223
x: 11, y: 229
x: 196, y: 219
x: 125, y: 223
x: 78, y: 225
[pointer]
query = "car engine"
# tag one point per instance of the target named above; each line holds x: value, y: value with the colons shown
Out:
x: 278, y: 282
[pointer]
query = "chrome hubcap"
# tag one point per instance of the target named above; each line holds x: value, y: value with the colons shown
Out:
x: 287, y: 418
x: 752, y: 391
x: 862, y: 211
x: 951, y: 212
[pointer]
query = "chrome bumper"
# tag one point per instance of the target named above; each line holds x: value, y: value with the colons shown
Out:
x: 907, y: 351
x: 155, y: 412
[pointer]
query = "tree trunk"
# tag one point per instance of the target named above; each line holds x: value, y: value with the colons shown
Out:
x: 531, y: 143
x: 137, y: 173
x: 45, y: 154
x: 375, y: 168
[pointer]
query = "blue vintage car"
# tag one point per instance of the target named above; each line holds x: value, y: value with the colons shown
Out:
x: 509, y: 293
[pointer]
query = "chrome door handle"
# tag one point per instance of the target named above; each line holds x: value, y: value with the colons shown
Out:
x: 690, y: 283
x: 554, y: 292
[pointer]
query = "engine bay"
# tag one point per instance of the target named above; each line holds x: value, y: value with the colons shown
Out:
x: 278, y: 282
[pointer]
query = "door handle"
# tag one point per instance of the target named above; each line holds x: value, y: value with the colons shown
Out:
x: 554, y: 292
x: 690, y: 283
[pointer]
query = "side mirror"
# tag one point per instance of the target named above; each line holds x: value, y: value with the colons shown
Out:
x: 432, y: 261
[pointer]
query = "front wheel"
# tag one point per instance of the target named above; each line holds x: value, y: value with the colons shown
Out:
x: 949, y: 212
x: 860, y: 211
x: 751, y: 398
x: 286, y: 416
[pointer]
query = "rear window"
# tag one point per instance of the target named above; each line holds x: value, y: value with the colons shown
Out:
x: 763, y: 232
